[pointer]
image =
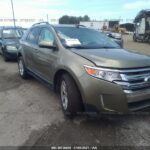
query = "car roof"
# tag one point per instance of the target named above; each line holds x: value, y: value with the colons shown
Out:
x: 41, y: 24
x: 67, y: 25
x: 141, y: 14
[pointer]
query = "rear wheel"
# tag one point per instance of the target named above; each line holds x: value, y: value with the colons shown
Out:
x: 70, y: 96
x: 22, y: 69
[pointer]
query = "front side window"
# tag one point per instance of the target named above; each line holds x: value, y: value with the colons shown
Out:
x: 46, y: 35
x: 33, y: 36
x: 11, y: 33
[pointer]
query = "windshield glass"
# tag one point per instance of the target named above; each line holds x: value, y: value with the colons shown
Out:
x: 75, y: 37
x: 12, y: 33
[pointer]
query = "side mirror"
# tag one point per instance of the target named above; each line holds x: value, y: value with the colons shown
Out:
x: 46, y: 44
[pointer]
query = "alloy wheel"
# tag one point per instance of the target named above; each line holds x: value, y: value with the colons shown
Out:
x: 64, y: 95
x: 21, y: 67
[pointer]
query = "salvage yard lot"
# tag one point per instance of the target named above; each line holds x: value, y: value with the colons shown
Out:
x: 30, y: 114
x: 138, y: 47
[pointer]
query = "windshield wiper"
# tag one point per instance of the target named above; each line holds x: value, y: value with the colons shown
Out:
x: 78, y: 47
x: 109, y: 47
x: 91, y: 47
x: 12, y: 37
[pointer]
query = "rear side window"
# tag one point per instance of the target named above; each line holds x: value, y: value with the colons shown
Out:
x: 33, y: 36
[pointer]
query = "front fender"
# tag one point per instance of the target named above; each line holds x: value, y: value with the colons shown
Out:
x: 76, y: 73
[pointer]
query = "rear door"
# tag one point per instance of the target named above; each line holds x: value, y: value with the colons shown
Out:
x: 30, y: 46
x: 45, y: 58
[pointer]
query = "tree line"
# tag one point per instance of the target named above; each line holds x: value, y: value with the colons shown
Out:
x: 72, y: 19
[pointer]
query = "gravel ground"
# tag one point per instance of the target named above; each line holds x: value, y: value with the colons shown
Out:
x: 139, y: 47
x: 30, y: 115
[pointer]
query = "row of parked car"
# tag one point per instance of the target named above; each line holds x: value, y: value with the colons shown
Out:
x: 90, y: 71
x: 10, y: 41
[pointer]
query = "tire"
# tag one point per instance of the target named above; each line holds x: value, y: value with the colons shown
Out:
x: 70, y: 97
x: 22, y: 68
x: 0, y: 48
x: 6, y: 59
x: 149, y: 40
x: 134, y: 38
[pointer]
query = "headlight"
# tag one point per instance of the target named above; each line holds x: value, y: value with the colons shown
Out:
x: 11, y: 48
x: 102, y: 73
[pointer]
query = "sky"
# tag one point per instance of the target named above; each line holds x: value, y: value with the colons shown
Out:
x: 95, y: 9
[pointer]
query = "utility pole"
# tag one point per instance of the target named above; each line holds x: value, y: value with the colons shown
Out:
x: 13, y: 13
x: 47, y: 18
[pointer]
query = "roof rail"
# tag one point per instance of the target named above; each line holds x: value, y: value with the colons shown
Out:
x: 40, y: 23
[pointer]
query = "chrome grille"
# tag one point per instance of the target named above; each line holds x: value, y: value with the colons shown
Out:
x: 135, y: 80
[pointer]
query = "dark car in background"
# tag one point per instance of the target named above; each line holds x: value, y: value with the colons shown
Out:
x: 9, y: 41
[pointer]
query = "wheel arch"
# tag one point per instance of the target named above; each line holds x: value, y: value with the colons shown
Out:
x: 57, y: 77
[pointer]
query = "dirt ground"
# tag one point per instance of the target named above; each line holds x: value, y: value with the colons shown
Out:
x: 30, y: 115
x: 138, y: 47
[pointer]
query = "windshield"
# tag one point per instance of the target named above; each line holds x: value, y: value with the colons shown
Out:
x: 12, y: 33
x: 75, y: 37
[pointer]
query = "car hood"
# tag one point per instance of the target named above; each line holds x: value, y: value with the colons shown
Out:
x: 12, y: 41
x: 114, y: 58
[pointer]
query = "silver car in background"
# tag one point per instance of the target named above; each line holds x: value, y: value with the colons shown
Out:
x: 117, y: 37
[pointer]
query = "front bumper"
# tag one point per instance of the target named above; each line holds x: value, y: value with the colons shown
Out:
x: 11, y: 54
x: 103, y: 96
x: 138, y: 100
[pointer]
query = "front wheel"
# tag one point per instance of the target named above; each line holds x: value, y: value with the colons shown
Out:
x: 70, y: 96
x: 149, y: 40
x: 22, y: 69
x: 134, y: 38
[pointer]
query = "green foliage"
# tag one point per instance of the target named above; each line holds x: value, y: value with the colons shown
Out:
x: 72, y: 19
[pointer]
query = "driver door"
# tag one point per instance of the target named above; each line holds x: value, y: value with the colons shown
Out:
x: 46, y: 57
